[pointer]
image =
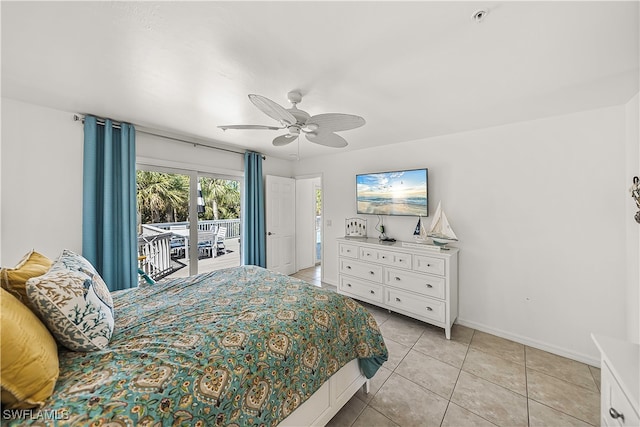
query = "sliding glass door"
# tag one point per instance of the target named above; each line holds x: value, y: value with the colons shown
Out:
x: 188, y: 223
x: 218, y: 222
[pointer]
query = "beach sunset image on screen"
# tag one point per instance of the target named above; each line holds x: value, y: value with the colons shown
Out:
x: 393, y: 193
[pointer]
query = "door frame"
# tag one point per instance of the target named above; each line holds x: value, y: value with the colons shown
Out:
x: 193, y: 172
x: 313, y: 176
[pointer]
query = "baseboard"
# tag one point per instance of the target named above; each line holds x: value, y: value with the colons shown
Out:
x: 531, y: 343
x: 330, y: 282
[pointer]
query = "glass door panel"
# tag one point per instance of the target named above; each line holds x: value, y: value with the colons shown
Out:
x: 218, y: 223
x: 163, y: 223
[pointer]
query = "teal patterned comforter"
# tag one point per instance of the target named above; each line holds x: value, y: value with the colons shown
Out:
x: 236, y: 347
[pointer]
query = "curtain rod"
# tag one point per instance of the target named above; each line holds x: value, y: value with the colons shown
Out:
x: 116, y: 124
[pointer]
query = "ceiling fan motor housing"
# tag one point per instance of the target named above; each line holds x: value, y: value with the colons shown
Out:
x: 294, y: 97
x: 300, y: 115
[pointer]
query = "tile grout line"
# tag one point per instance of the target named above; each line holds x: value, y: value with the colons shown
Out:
x: 359, y: 413
x: 458, y: 379
x: 565, y: 381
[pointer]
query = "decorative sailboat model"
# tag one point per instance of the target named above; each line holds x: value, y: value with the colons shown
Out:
x: 440, y: 231
x: 420, y: 234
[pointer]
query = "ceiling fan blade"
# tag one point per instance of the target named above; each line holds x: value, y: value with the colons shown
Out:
x: 272, y: 109
x: 284, y: 140
x: 334, y: 122
x: 259, y: 127
x: 328, y: 139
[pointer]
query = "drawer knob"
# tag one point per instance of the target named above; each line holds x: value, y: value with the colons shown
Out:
x: 372, y: 292
x: 397, y: 299
x: 429, y: 309
x: 400, y: 260
x: 615, y: 414
x: 428, y: 265
x: 372, y: 272
x: 349, y: 284
x: 429, y: 285
x: 384, y: 257
x: 397, y: 278
x: 348, y: 267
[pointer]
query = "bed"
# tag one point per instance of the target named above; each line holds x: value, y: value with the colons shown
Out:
x: 234, y: 347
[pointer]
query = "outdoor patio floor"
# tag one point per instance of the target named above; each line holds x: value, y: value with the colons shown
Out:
x: 205, y: 265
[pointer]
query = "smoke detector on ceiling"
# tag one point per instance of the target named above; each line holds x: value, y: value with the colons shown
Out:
x: 479, y: 15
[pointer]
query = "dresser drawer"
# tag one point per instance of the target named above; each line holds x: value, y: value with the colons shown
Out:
x: 361, y: 270
x: 347, y: 250
x: 424, y: 284
x: 428, y: 264
x: 614, y: 401
x: 361, y: 288
x: 395, y: 259
x: 420, y: 306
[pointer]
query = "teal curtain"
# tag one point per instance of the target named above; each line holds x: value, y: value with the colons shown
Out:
x: 254, y: 247
x: 109, y: 237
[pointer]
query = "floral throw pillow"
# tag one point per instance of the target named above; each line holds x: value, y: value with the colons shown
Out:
x: 74, y: 303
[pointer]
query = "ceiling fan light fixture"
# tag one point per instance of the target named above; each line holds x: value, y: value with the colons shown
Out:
x: 294, y: 131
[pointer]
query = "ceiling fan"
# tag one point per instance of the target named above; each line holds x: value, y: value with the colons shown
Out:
x: 319, y: 129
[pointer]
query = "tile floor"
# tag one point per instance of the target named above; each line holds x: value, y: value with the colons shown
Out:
x: 474, y: 379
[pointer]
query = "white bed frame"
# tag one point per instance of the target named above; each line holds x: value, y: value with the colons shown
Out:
x: 325, y: 403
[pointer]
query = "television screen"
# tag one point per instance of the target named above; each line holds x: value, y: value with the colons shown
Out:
x: 393, y: 193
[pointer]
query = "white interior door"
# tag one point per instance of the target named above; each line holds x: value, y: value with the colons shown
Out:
x: 280, y: 223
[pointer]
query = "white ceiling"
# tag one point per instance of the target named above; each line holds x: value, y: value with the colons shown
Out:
x: 412, y: 69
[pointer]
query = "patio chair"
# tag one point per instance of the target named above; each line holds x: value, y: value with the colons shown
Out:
x: 220, y: 236
x: 177, y: 243
x: 205, y: 243
x: 177, y: 246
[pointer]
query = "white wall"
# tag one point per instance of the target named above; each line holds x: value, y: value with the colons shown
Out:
x: 539, y: 209
x: 632, y: 168
x: 41, y: 176
x: 160, y: 151
x: 41, y: 181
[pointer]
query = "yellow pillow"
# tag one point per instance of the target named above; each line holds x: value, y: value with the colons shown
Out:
x: 14, y: 279
x: 28, y: 356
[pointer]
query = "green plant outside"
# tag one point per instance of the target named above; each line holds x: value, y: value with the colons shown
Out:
x: 164, y: 197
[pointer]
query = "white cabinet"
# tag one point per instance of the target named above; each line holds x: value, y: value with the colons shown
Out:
x: 419, y: 283
x: 620, y: 378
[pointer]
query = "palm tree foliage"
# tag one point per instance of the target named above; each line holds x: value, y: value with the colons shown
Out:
x: 164, y: 197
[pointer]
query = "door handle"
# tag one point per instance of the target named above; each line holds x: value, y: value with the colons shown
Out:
x: 270, y: 233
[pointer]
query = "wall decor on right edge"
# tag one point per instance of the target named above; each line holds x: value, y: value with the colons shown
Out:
x: 355, y: 227
x: 635, y: 193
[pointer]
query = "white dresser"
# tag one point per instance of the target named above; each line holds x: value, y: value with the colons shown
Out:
x: 620, y: 382
x: 420, y: 283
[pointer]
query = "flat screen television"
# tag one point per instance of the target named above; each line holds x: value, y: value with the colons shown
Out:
x: 401, y: 192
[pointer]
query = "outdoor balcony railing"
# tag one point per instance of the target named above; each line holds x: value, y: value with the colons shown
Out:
x: 154, y: 244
